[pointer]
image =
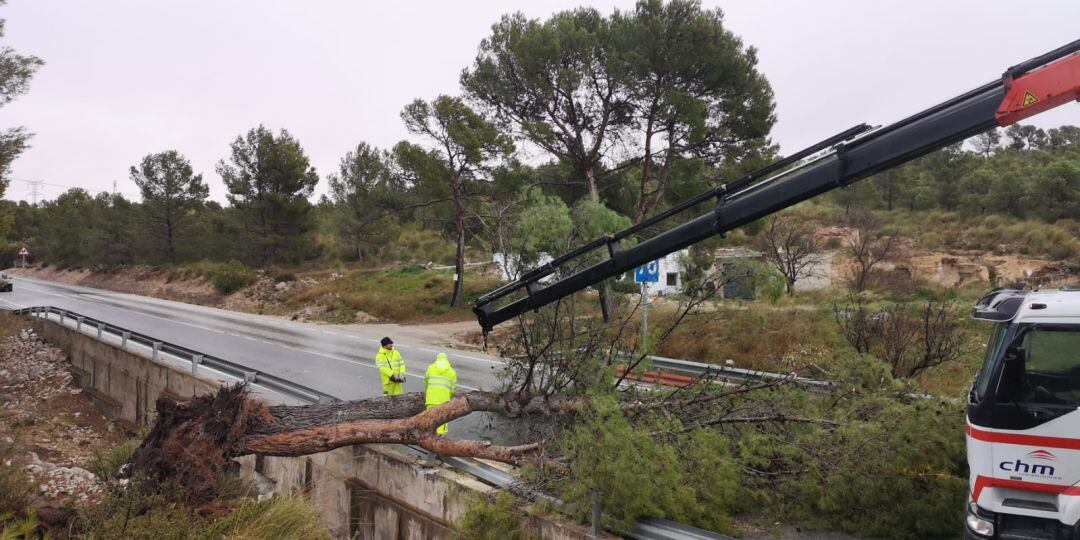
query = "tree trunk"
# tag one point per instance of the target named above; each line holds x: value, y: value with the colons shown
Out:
x: 319, y: 428
x: 459, y: 255
x: 591, y: 184
x: 607, y: 294
x: 170, y: 234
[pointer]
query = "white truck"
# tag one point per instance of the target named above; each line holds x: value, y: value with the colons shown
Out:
x: 1023, y: 422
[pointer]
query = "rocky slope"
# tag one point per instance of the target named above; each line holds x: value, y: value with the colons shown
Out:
x: 49, y: 429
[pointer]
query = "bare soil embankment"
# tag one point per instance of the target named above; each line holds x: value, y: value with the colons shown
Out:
x: 51, y: 433
x: 141, y: 280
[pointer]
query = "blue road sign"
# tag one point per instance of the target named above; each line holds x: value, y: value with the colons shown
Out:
x: 650, y: 273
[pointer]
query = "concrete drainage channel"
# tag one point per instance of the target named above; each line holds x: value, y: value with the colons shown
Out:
x: 277, y: 388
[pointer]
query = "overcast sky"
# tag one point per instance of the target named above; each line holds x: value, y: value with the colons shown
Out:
x: 124, y: 78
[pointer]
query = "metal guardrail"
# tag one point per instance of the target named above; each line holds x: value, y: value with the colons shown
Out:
x: 718, y: 371
x: 662, y: 529
x: 197, y: 359
x: 733, y: 374
x: 644, y: 529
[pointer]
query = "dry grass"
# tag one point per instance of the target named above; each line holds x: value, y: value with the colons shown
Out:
x: 10, y: 324
x: 400, y: 295
x: 284, y: 517
x: 800, y: 334
x: 754, y: 335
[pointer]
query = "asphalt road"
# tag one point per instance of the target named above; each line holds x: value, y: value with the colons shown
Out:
x: 334, y: 359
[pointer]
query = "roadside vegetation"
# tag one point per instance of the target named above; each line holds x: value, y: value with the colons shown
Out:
x: 144, y: 512
x: 408, y: 294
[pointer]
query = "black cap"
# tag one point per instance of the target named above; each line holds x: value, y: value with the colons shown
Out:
x: 385, y: 341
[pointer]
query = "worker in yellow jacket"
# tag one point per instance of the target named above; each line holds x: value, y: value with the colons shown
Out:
x: 440, y: 382
x: 391, y: 368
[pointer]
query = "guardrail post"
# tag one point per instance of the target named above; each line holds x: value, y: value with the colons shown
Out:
x: 62, y: 313
x: 78, y: 324
x: 123, y: 341
x: 157, y: 349
x: 100, y: 329
x: 195, y: 361
x: 249, y: 376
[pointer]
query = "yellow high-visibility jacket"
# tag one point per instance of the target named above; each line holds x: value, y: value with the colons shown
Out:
x: 440, y: 382
x: 389, y: 362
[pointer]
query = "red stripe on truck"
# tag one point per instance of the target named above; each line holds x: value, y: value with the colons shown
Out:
x: 1026, y: 440
x: 983, y: 482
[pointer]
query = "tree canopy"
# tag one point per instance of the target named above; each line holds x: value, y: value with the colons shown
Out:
x: 16, y: 70
x: 269, y: 179
x: 170, y: 191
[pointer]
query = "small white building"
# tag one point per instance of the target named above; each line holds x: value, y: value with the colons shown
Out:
x: 671, y: 268
x: 673, y: 265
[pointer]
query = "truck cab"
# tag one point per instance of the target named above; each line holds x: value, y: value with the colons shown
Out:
x: 5, y: 283
x: 1023, y: 422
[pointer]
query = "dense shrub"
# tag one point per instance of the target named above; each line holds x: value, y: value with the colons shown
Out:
x: 16, y: 490
x: 284, y: 276
x: 283, y: 516
x: 105, y: 461
x: 496, y: 517
x: 900, y: 473
x: 632, y: 473
x: 229, y: 277
x: 420, y: 246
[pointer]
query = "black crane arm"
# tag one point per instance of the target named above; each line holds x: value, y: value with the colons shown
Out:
x: 1026, y: 89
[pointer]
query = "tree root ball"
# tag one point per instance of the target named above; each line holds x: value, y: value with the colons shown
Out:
x: 191, y: 443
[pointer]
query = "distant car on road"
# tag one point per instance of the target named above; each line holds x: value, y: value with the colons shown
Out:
x: 5, y: 283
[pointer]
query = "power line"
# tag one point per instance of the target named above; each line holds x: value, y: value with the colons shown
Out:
x: 35, y: 187
x: 35, y: 191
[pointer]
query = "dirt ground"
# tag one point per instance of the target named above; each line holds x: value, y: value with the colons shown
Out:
x: 463, y: 335
x: 141, y: 280
x: 49, y: 427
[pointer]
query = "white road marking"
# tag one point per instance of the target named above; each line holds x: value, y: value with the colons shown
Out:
x: 20, y: 306
x: 499, y: 362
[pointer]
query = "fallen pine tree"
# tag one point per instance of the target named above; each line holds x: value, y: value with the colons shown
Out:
x: 192, y: 443
x: 550, y: 369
